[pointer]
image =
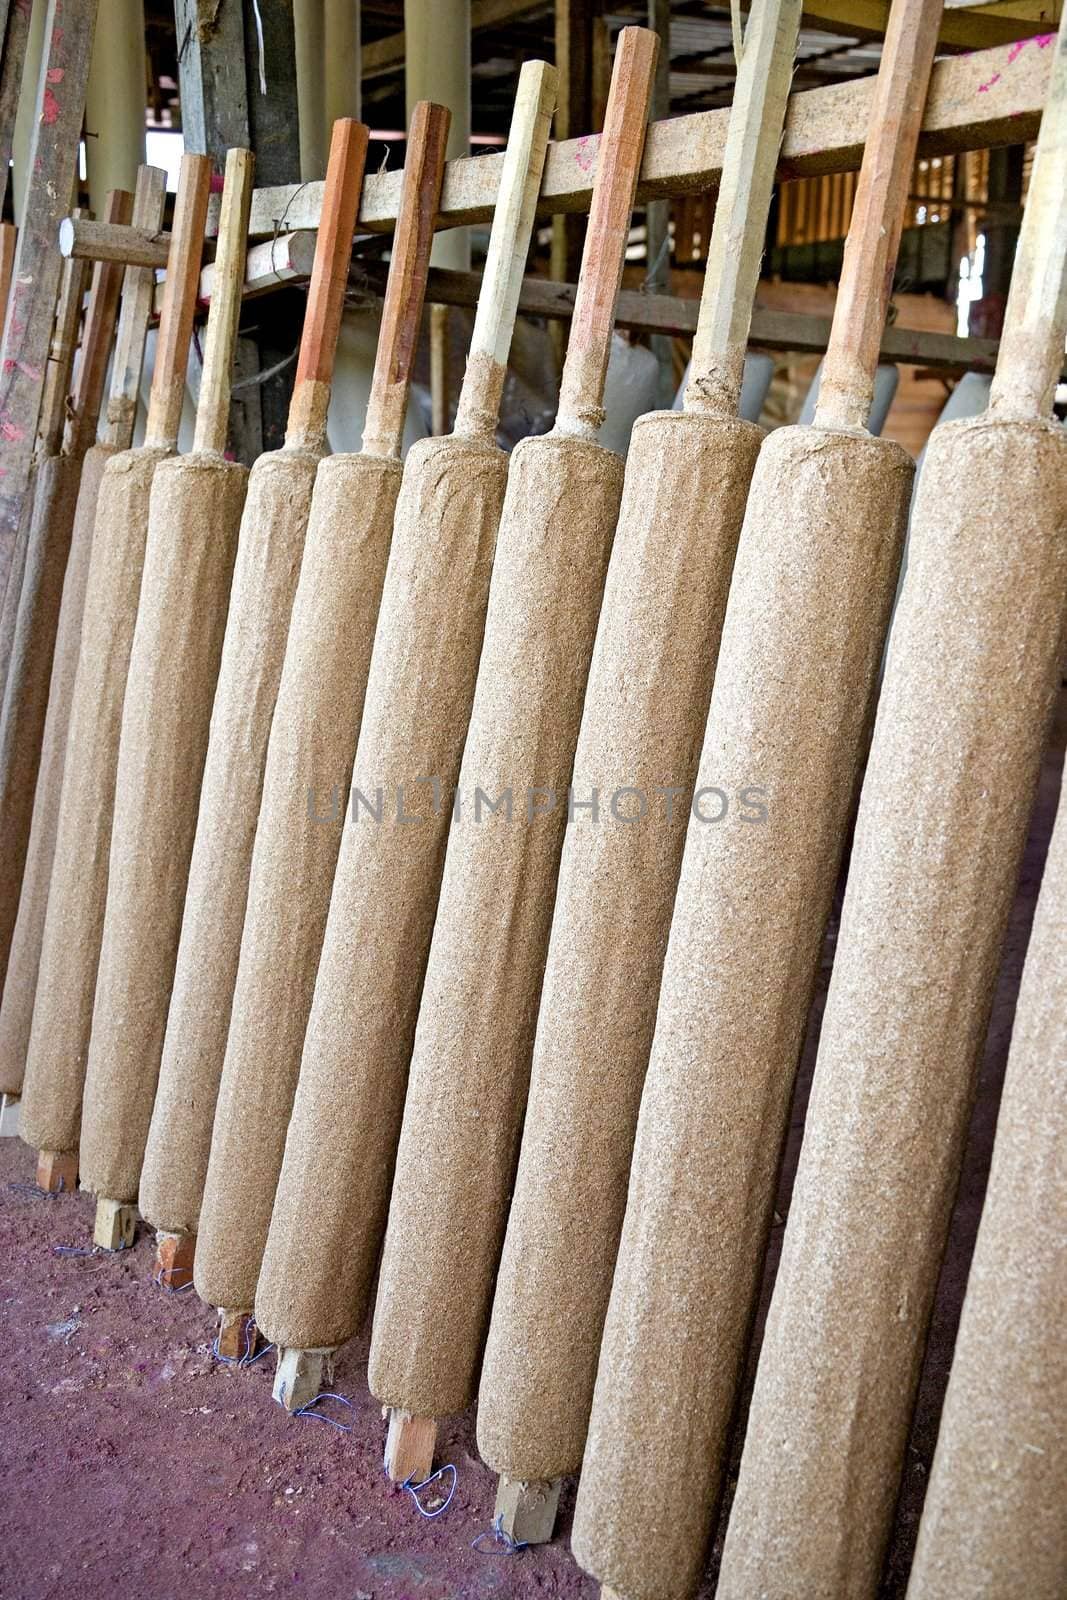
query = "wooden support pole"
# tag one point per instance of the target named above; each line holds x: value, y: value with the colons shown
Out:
x: 115, y: 1226
x: 299, y: 1376
x: 57, y: 1171
x: 526, y: 1512
x: 237, y: 1338
x: 409, y: 1445
x: 9, y: 1116
x: 173, y: 1266
x: 8, y: 244
x: 28, y: 322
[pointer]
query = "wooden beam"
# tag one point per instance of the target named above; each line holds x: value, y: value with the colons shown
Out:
x: 31, y: 308
x: 965, y: 24
x: 991, y: 97
x: 382, y: 56
x: 211, y: 75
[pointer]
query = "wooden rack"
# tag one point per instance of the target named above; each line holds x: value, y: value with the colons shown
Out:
x: 990, y: 97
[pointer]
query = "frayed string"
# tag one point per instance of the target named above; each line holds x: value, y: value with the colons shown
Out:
x: 415, y: 1489
x: 307, y: 1410
x: 500, y: 1536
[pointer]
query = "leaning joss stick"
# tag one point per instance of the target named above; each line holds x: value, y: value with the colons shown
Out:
x: 70, y: 948
x: 993, y: 1526
x: 194, y: 515
x: 683, y: 499
x: 16, y: 1010
x: 972, y: 672
x: 471, y: 1060
x: 315, y: 1281
x: 809, y: 601
x: 312, y: 743
x: 25, y: 702
x: 269, y: 550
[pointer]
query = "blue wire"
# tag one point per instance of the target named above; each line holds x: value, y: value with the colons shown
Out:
x: 414, y: 1489
x: 313, y: 1416
x: 511, y: 1546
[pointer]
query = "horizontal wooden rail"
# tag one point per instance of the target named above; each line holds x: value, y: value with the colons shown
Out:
x: 666, y: 314
x: 991, y: 97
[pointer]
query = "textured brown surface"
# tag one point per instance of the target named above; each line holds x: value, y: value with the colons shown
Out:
x: 814, y: 577
x: 649, y: 685
x: 25, y: 702
x: 13, y: 588
x: 993, y: 1524
x: 473, y: 1042
x: 194, y: 516
x: 70, y: 949
x: 942, y: 821
x: 330, y: 1208
x: 309, y: 763
x: 269, y: 551
x: 20, y: 984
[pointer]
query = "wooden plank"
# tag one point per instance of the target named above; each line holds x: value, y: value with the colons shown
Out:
x: 991, y: 97
x: 647, y: 313
x: 211, y: 75
x: 28, y: 322
x: 965, y: 25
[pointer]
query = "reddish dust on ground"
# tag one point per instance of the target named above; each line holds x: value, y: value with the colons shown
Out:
x: 132, y: 1462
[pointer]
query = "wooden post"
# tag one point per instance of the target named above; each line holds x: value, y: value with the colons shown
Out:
x: 574, y: 117
x: 8, y: 244
x: 299, y: 1376
x: 236, y: 1338
x: 115, y: 1226
x: 57, y: 1171
x: 173, y: 1267
x: 409, y: 1445
x: 658, y: 212
x: 526, y: 1512
x: 27, y: 325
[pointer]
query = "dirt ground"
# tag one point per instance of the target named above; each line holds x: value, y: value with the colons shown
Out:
x: 132, y: 1462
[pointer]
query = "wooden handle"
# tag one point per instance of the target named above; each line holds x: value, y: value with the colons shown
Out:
x: 735, y: 250
x: 870, y: 259
x: 179, y: 302
x: 9, y: 236
x: 1035, y: 319
x: 138, y: 294
x: 72, y: 283
x: 326, y: 294
x: 509, y: 244
x: 405, y: 288
x: 96, y: 338
x: 618, y: 162
x: 213, y: 406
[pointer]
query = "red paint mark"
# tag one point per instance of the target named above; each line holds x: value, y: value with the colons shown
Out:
x: 28, y: 371
x: 56, y: 74
x: 585, y: 154
x: 984, y: 88
x: 216, y: 183
x: 10, y: 431
x: 49, y: 107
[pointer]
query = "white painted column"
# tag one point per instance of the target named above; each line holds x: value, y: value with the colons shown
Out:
x: 341, y: 67
x: 115, y: 103
x: 309, y: 25
x: 437, y: 37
